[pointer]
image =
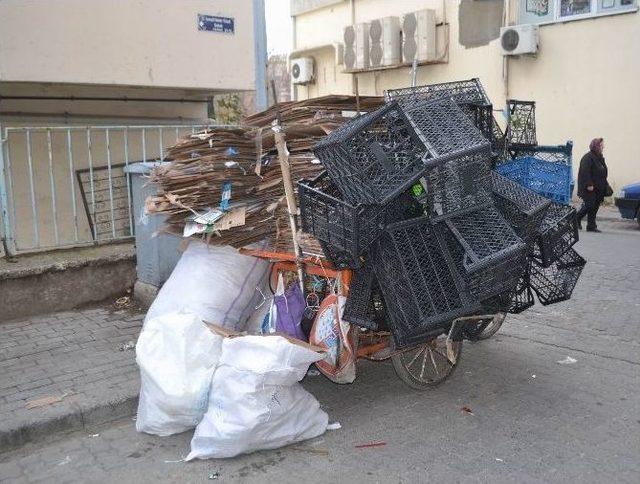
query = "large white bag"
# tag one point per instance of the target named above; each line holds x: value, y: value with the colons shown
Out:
x: 217, y: 283
x: 256, y: 401
x: 177, y: 355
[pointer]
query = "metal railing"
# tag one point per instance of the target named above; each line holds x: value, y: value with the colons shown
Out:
x: 67, y: 186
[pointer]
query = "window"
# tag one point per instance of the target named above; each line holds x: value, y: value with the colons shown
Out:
x: 547, y: 11
x: 574, y: 7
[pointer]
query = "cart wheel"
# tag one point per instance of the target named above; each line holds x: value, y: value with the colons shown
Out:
x: 426, y: 365
x: 485, y: 328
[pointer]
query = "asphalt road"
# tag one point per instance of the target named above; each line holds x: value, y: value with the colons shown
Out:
x: 533, y: 419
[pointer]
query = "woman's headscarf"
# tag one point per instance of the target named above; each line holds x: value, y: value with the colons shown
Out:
x: 596, y: 145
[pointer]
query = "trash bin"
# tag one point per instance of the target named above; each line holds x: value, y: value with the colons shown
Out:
x: 156, y: 253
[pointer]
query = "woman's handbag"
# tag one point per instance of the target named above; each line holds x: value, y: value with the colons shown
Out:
x: 608, y: 191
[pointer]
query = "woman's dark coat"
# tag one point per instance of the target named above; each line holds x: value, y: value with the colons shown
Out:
x: 593, y: 171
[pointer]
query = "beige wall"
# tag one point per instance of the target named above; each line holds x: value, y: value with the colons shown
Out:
x: 140, y: 43
x: 584, y: 79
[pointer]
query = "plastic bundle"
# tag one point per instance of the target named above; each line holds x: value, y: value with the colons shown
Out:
x: 556, y: 283
x: 445, y: 128
x: 359, y: 309
x: 342, y: 226
x: 486, y: 249
x: 422, y: 288
x: 375, y: 157
x: 558, y: 233
x: 462, y: 92
x: 521, y: 124
x: 524, y: 209
x: 460, y: 182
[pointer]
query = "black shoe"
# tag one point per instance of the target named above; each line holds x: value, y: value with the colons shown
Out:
x: 594, y: 230
x: 579, y: 225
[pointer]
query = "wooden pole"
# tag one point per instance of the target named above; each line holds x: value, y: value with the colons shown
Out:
x: 292, y: 206
x: 273, y: 91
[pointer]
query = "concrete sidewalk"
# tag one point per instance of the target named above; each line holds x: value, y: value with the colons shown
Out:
x: 83, y: 358
x: 78, y: 356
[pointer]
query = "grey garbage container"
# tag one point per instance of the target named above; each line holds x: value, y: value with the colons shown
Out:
x: 156, y: 253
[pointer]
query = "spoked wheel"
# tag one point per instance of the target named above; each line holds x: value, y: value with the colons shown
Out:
x: 484, y: 328
x: 427, y: 365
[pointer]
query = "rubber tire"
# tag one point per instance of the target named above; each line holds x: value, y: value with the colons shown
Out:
x: 492, y: 329
x: 406, y: 377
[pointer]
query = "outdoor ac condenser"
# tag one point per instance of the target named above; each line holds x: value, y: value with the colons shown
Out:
x: 356, y: 46
x: 302, y: 70
x: 519, y: 39
x: 419, y: 36
x: 384, y: 42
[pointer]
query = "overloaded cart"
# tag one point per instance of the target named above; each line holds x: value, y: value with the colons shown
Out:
x: 424, y: 213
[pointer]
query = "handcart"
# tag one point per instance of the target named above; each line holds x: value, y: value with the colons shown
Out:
x: 420, y: 366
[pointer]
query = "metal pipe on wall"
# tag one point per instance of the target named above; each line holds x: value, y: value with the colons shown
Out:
x: 260, y: 46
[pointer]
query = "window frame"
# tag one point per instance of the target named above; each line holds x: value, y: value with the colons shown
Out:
x: 596, y: 10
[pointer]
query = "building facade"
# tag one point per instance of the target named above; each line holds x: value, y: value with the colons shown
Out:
x: 88, y: 86
x: 584, y: 77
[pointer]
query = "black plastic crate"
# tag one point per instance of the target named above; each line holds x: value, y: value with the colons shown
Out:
x: 461, y: 182
x: 521, y: 123
x: 342, y: 226
x: 522, y: 298
x: 498, y: 144
x: 513, y: 302
x: 482, y: 117
x: 422, y: 288
x: 562, y: 154
x: 359, y: 307
x: 339, y: 258
x: 556, y: 283
x: 485, y: 248
x: 524, y: 209
x: 558, y: 233
x: 374, y: 157
x: 462, y: 92
x: 446, y: 129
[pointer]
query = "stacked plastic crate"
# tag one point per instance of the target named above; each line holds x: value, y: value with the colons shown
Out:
x: 544, y: 169
x: 409, y: 201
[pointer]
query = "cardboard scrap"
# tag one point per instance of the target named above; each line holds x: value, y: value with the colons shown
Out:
x: 44, y: 401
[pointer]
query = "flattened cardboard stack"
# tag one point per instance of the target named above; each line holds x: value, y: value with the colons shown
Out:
x: 246, y: 157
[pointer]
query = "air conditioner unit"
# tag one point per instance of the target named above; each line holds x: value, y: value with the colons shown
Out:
x: 356, y: 46
x: 419, y: 36
x: 384, y: 42
x: 519, y: 39
x: 302, y: 70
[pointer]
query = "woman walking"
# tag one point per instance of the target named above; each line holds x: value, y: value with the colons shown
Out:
x: 592, y: 184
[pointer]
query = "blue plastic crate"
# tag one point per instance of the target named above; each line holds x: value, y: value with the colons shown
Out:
x: 543, y: 169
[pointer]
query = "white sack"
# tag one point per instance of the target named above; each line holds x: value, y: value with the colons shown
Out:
x: 177, y: 355
x: 216, y: 283
x: 256, y: 401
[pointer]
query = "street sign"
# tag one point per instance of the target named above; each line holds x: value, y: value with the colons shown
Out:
x: 212, y: 23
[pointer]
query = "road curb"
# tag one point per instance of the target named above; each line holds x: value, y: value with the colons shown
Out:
x: 74, y: 419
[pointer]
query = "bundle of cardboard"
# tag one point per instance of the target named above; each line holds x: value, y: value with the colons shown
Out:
x: 226, y: 183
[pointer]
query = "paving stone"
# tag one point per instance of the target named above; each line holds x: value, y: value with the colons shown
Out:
x: 55, y: 353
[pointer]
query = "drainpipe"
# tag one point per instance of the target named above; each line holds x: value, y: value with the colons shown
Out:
x: 505, y: 58
x: 354, y: 83
x: 294, y: 38
x: 260, y: 47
